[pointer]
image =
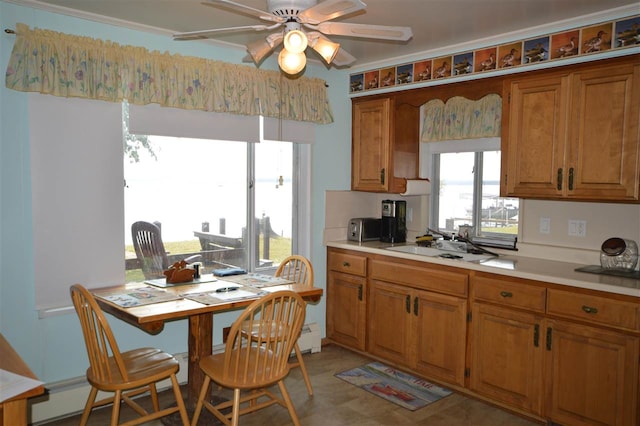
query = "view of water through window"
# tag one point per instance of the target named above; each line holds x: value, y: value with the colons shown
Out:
x: 195, y: 185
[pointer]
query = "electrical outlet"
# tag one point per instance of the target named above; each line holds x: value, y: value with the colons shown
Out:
x: 577, y: 228
x: 545, y: 225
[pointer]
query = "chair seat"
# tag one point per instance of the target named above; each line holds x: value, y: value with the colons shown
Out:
x: 143, y: 365
x: 214, y: 367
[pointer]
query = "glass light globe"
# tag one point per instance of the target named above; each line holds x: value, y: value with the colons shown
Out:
x: 291, y: 63
x: 295, y: 41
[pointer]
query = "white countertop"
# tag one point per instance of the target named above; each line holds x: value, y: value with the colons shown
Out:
x: 515, y: 266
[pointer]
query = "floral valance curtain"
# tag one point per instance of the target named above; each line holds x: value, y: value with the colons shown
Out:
x: 461, y: 118
x: 64, y: 65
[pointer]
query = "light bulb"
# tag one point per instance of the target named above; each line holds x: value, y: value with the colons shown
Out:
x: 295, y: 41
x: 291, y: 63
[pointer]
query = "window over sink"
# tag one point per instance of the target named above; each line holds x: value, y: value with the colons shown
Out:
x: 465, y: 176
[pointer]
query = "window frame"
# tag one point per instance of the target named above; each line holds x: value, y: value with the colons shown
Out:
x: 478, y: 146
x: 301, y: 165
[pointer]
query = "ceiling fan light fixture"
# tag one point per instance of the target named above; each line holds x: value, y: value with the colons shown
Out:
x: 325, y: 48
x: 291, y: 63
x: 295, y: 41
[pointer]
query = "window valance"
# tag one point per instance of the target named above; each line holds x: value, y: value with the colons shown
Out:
x: 64, y: 65
x: 461, y: 118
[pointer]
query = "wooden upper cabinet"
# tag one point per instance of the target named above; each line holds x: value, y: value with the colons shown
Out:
x: 535, y: 130
x: 370, y: 147
x: 385, y: 145
x: 573, y: 134
x: 604, y: 140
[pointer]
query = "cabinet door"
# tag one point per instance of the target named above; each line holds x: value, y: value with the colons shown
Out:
x: 346, y: 309
x: 534, y: 132
x: 371, y: 145
x: 603, y: 157
x: 593, y: 375
x: 389, y: 320
x: 506, y: 356
x: 439, y: 332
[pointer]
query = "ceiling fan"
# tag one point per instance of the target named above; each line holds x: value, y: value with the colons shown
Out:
x: 305, y: 23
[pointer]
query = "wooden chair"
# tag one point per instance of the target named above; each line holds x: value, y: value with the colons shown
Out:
x: 255, y: 362
x: 150, y: 251
x: 147, y: 241
x: 298, y: 268
x: 126, y: 374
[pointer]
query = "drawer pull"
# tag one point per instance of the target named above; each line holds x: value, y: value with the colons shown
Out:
x: 506, y: 294
x: 589, y: 309
x: 346, y: 264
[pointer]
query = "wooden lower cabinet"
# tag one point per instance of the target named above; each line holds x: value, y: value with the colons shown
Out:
x: 567, y: 355
x: 346, y: 309
x: 592, y: 375
x: 507, y: 355
x: 422, y: 330
x: 346, y: 298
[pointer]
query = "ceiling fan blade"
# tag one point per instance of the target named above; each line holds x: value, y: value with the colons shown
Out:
x: 260, y: 49
x: 329, y: 9
x: 343, y: 58
x: 195, y: 35
x: 247, y: 10
x: 363, y: 30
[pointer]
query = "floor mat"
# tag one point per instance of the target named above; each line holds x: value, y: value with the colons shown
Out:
x: 403, y: 389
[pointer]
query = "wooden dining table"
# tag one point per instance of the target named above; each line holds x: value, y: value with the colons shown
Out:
x: 13, y: 411
x: 152, y: 317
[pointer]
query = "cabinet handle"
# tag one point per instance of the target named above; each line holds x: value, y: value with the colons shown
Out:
x: 549, y: 332
x: 536, y: 335
x: 382, y: 176
x: 571, y: 179
x: 360, y: 292
x: 559, y: 184
x: 415, y: 306
x: 346, y: 264
x: 589, y: 309
x: 506, y: 294
x: 407, y: 304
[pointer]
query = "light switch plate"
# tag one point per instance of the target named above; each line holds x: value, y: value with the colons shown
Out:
x: 545, y: 225
x: 577, y: 228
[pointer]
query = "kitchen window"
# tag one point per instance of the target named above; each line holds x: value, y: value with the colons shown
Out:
x: 465, y: 177
x: 233, y: 202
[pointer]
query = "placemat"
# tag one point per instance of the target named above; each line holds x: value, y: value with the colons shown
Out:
x: 257, y: 280
x: 138, y: 297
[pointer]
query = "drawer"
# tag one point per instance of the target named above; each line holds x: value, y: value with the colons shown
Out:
x: 512, y: 293
x: 595, y: 309
x: 418, y: 276
x: 347, y: 263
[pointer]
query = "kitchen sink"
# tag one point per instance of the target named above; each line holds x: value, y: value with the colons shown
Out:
x: 434, y: 252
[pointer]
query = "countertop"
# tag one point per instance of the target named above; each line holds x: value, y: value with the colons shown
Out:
x: 515, y: 266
